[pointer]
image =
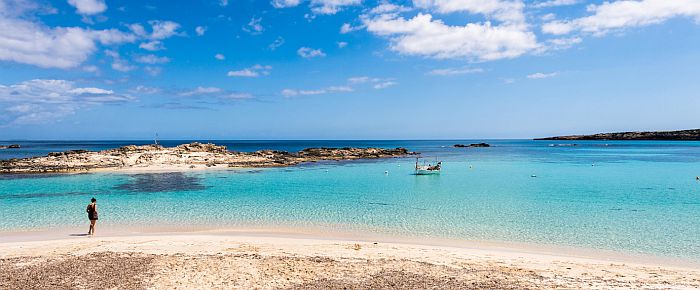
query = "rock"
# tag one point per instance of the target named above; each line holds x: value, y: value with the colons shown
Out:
x: 199, y: 147
x: 13, y: 146
x: 145, y: 156
x: 471, y: 145
x: 69, y: 152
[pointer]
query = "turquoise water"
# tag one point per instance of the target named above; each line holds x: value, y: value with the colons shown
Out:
x: 639, y: 197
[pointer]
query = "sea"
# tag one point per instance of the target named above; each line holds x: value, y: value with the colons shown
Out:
x: 638, y: 197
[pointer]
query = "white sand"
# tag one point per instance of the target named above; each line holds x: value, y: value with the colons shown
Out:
x: 277, y: 260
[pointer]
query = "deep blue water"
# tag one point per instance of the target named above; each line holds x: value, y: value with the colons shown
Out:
x: 631, y: 196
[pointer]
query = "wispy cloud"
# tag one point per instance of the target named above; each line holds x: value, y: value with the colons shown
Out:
x: 555, y: 3
x: 152, y: 59
x: 154, y: 45
x: 540, y: 75
x: 279, y: 41
x: 307, y: 52
x: 43, y: 100
x: 332, y: 89
x: 254, y: 26
x: 377, y: 83
x: 384, y: 85
x: 118, y: 63
x: 318, y: 6
x: 454, y: 71
x: 251, y: 72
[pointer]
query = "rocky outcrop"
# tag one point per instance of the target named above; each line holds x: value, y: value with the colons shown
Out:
x: 471, y: 145
x: 12, y: 146
x: 687, y: 135
x: 185, y: 156
x: 199, y: 147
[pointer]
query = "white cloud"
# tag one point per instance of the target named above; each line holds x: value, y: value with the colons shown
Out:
x: 63, y: 47
x: 307, y: 52
x: 384, y: 85
x: 347, y: 28
x: 219, y: 56
x: 548, y: 17
x: 154, y: 45
x: 318, y: 6
x: 542, y: 75
x: 118, y: 63
x: 201, y: 97
x: 285, y: 3
x: 377, y: 83
x: 163, y: 29
x: 555, y: 3
x: 423, y: 36
x: 510, y: 11
x: 611, y: 16
x: 41, y: 101
x: 160, y: 30
x: 152, y: 59
x: 200, y: 30
x: 254, y: 27
x: 251, y: 72
x: 332, y: 89
x: 359, y: 80
x: 237, y: 96
x: 454, y: 71
x: 279, y: 41
x: 340, y: 89
x: 389, y: 8
x: 88, y: 7
x: 138, y: 29
x: 201, y: 91
x: 331, y: 6
x: 342, y: 44
x: 146, y: 90
x: 95, y: 91
x: 223, y: 3
x: 560, y: 43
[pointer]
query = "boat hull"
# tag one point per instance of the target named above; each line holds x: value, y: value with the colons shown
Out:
x: 426, y: 172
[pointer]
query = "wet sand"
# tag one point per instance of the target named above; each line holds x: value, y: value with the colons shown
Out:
x: 277, y: 261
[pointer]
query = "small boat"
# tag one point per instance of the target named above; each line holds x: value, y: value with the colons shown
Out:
x: 427, y: 169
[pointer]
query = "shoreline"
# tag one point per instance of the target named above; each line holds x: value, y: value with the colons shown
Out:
x: 248, y: 260
x: 319, y: 233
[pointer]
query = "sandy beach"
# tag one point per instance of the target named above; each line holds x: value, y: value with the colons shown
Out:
x: 246, y: 260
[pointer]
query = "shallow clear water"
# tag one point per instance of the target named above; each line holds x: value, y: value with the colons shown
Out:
x: 630, y: 196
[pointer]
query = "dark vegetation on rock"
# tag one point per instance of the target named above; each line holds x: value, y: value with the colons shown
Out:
x: 686, y: 135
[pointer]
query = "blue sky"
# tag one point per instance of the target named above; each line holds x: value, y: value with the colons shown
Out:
x: 346, y: 69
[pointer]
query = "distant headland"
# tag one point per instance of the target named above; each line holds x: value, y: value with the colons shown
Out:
x: 687, y: 135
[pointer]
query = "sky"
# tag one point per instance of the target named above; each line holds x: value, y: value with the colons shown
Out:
x: 346, y: 69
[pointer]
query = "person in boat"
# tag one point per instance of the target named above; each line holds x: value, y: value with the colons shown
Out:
x: 92, y: 215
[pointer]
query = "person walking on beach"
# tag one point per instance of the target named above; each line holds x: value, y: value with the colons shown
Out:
x: 92, y: 215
